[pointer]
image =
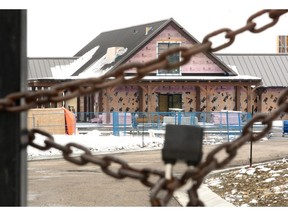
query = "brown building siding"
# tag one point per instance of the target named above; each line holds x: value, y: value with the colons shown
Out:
x: 213, y: 97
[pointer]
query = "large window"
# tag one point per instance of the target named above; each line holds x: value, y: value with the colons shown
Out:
x: 167, y: 101
x: 163, y: 46
x: 282, y: 44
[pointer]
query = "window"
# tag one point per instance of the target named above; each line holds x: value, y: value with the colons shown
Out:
x: 282, y: 44
x: 163, y: 46
x: 167, y: 101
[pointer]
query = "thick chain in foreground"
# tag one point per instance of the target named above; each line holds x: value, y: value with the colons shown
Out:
x: 12, y: 103
x: 21, y: 101
x: 195, y: 174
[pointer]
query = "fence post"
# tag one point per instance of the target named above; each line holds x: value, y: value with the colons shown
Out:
x: 179, y: 118
x: 13, y: 78
x: 124, y: 123
x: 239, y: 123
x: 227, y: 124
x: 115, y: 123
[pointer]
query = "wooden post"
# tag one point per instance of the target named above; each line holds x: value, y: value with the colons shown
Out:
x: 198, y: 98
x: 13, y: 78
x: 249, y: 99
x: 238, y: 98
x: 142, y: 98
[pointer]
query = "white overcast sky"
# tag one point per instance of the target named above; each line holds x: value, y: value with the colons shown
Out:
x: 60, y: 28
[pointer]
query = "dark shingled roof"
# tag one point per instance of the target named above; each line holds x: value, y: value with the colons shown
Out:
x: 130, y: 38
x: 272, y: 68
x: 134, y: 38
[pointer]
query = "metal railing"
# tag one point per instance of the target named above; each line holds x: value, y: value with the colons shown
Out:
x: 224, y: 121
x: 225, y: 124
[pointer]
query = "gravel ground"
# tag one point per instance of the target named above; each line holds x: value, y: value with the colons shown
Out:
x: 260, y: 185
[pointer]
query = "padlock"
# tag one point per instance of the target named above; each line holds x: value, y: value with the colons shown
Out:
x: 183, y: 143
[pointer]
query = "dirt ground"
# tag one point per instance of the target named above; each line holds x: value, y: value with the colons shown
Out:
x: 60, y: 183
x: 261, y: 185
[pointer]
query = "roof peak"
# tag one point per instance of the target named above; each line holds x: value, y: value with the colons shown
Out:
x: 140, y: 25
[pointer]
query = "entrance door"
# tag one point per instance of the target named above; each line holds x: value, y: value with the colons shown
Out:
x: 167, y: 101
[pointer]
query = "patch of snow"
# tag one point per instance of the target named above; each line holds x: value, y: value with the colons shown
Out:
x: 278, y: 123
x: 264, y: 139
x: 95, y: 70
x: 269, y: 180
x: 242, y: 171
x: 234, y: 68
x: 95, y: 143
x: 276, y: 171
x: 250, y: 171
x: 229, y: 199
x: 94, y: 132
x: 214, y: 182
x: 65, y: 71
x: 239, y: 197
x: 239, y: 176
x: 253, y: 201
x: 277, y: 189
x: 244, y: 205
x: 262, y: 168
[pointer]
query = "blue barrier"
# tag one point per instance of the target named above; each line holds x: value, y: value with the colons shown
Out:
x: 120, y: 123
x: 285, y: 127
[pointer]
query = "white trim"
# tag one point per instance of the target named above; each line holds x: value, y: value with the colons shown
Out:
x: 203, y: 78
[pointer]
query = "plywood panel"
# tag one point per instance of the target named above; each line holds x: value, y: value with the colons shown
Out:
x: 51, y: 120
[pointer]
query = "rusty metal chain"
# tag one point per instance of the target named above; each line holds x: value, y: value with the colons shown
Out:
x: 22, y: 101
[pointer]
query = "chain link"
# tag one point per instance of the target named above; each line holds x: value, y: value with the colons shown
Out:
x: 274, y: 19
x: 22, y: 101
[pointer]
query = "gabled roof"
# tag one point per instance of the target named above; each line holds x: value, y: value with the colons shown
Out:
x: 134, y: 38
x: 272, y: 68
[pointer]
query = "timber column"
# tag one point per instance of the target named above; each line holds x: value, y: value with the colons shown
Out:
x: 142, y: 98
